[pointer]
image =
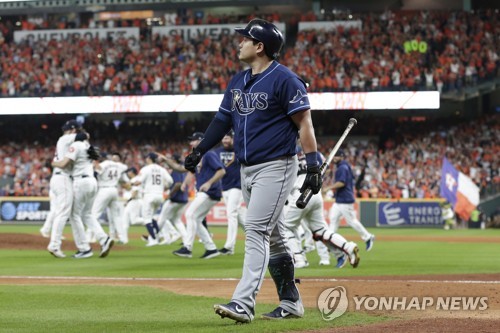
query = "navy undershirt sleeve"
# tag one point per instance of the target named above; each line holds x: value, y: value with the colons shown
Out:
x: 213, y: 135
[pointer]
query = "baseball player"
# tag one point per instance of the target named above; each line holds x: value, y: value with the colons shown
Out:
x: 61, y: 189
x: 133, y: 197
x: 110, y: 173
x: 231, y: 192
x: 344, y: 200
x: 154, y: 179
x: 313, y: 215
x: 80, y: 155
x: 209, y: 191
x: 169, y: 220
x: 267, y: 106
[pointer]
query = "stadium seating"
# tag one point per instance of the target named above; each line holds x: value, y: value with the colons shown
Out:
x: 460, y: 51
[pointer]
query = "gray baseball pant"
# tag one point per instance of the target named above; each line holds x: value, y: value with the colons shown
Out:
x: 265, y: 188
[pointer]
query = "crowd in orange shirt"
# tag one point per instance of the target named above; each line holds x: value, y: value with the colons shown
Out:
x: 409, y: 165
x: 462, y: 51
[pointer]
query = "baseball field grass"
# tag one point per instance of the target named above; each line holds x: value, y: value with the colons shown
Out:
x: 93, y: 307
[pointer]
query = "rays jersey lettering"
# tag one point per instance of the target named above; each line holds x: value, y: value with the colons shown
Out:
x: 227, y: 158
x: 246, y: 103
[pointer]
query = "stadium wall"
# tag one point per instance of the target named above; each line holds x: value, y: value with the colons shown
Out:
x: 372, y: 212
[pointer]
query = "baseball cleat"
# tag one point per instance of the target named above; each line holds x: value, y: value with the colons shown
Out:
x: 183, y: 252
x: 354, y: 257
x: 341, y: 261
x: 82, y: 255
x: 232, y: 311
x: 324, y: 262
x: 301, y: 264
x: 57, y: 253
x: 226, y: 252
x: 106, y: 247
x: 145, y: 237
x: 152, y: 242
x: 209, y: 254
x: 369, y: 243
x: 278, y: 314
x: 44, y: 233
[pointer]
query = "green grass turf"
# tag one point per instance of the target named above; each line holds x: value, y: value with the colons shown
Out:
x: 425, y: 254
x: 91, y: 308
x: 135, y: 309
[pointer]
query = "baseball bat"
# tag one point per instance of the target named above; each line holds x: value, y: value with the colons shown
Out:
x: 307, y: 194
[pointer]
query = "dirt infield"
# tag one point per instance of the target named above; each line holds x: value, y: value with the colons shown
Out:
x: 411, y: 321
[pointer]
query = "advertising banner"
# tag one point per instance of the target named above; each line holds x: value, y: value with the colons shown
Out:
x: 214, y: 31
x: 409, y: 214
x: 23, y: 210
x: 69, y: 34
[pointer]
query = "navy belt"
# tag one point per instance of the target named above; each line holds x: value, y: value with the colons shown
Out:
x: 57, y: 173
x: 284, y: 157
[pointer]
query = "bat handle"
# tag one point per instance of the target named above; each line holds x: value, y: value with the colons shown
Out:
x: 304, y: 198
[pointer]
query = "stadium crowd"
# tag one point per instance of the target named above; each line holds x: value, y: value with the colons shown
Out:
x: 462, y: 49
x: 407, y: 165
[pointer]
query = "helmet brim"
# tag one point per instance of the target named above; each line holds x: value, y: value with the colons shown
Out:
x: 244, y: 32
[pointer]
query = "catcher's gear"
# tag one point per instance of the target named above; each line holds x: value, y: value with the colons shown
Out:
x: 94, y: 153
x: 192, y: 160
x: 313, y: 179
x: 266, y: 33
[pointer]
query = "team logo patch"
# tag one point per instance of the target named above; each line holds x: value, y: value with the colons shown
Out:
x: 298, y: 97
x: 227, y: 158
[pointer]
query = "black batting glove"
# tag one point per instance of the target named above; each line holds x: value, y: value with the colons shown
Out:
x: 313, y: 180
x: 192, y: 160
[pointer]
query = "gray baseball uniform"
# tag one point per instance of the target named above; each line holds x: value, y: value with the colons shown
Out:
x: 267, y: 107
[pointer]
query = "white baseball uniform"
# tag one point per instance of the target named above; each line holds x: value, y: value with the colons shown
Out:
x: 132, y: 213
x: 108, y: 179
x: 85, y: 190
x: 61, y: 193
x: 154, y: 180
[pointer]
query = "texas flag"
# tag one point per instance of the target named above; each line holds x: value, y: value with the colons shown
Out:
x: 459, y: 190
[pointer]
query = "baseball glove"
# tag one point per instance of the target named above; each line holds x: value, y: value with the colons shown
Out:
x: 94, y: 153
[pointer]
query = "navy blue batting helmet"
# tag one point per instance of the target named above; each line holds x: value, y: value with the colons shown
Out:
x: 153, y: 156
x: 71, y: 124
x: 266, y: 33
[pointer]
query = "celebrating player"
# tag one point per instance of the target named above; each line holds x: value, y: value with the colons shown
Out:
x: 267, y: 106
x: 110, y: 173
x: 61, y: 190
x: 80, y: 155
x: 231, y: 191
x: 154, y: 179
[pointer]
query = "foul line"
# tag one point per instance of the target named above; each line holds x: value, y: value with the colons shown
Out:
x: 85, y: 278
